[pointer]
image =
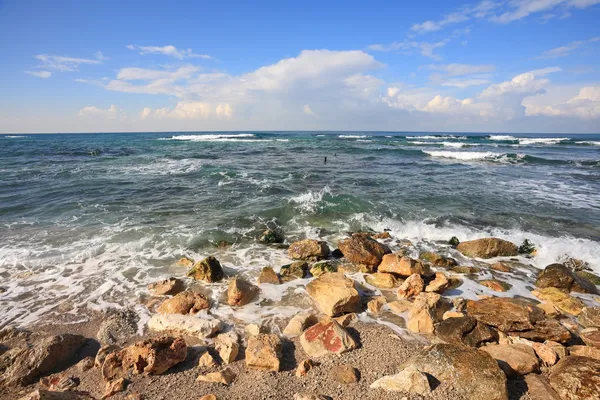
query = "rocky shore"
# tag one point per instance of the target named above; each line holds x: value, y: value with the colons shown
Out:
x: 383, y: 322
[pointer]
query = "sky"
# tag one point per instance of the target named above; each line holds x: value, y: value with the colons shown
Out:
x: 447, y: 66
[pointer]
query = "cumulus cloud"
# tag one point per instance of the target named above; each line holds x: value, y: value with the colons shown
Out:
x: 93, y: 111
x: 40, y: 74
x: 585, y: 105
x: 189, y: 110
x: 168, y: 50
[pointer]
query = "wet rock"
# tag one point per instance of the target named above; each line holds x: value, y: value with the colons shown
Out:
x: 59, y: 382
x: 114, y: 387
x: 263, y: 352
x: 411, y: 287
x: 590, y: 317
x: 471, y: 372
x: 327, y: 337
x: 296, y: 270
x: 438, y: 284
x: 271, y: 236
x: 334, y: 294
x: 559, y: 299
x: 466, y: 331
x: 267, y: 275
x: 207, y: 361
x: 426, y: 311
x: 45, y: 355
x: 345, y: 374
x: 118, y: 327
x: 560, y: 277
x: 374, y: 306
x: 506, y: 314
x: 42, y: 394
x: 323, y: 267
x: 576, y: 378
x: 453, y: 241
x: 501, y: 267
x: 361, y: 249
x: 514, y: 359
x: 496, y: 285
x: 240, y: 292
x: 185, y: 262
x: 228, y: 347
x: 585, y: 351
x: 539, y: 388
x: 151, y: 357
x: 595, y: 279
x: 409, y: 380
x: 382, y: 235
x: 488, y: 248
x: 225, y: 377
x: 591, y: 337
x: 185, y: 324
x: 465, y: 269
x: 299, y: 323
x: 103, y: 353
x: 165, y: 287
x: 438, y: 260
x: 304, y: 366
x: 308, y: 249
x: 187, y: 302
x: 382, y: 280
x: 207, y: 270
x: 401, y: 265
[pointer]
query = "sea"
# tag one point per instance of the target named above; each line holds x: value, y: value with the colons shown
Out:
x: 87, y: 221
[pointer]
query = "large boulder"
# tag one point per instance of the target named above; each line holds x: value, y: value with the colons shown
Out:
x: 504, y: 313
x: 185, y: 324
x: 411, y: 287
x: 361, y: 249
x: 560, y: 277
x: 514, y: 359
x: 263, y: 352
x: 118, y: 327
x: 271, y: 236
x: 308, y: 249
x: 334, y: 294
x: 488, y: 248
x: 539, y: 388
x: 590, y: 317
x: 240, y: 292
x: 465, y: 330
x: 327, y: 337
x: 427, y: 310
x: 27, y: 364
x: 187, y: 302
x: 170, y: 286
x: 207, y: 270
x: 399, y: 264
x: 152, y: 357
x: 559, y: 299
x: 576, y: 378
x: 471, y: 372
x: 546, y: 329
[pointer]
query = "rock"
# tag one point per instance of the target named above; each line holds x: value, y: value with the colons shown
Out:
x: 165, y: 287
x: 41, y: 394
x: 382, y: 235
x: 471, y: 372
x: 382, y: 280
x: 452, y: 314
x: 560, y: 277
x: 185, y: 324
x: 327, y: 337
x: 263, y: 352
x: 207, y: 270
x: 465, y: 269
x: 228, y: 347
x: 585, y: 351
x: 488, y: 248
x: 549, y: 310
x: 500, y: 267
x: 361, y: 249
x: 576, y: 378
x: 438, y: 260
x: 401, y: 265
x: 271, y: 236
x: 209, y: 397
x: 559, y: 299
x: 547, y: 329
x: 453, y: 241
x: 224, y: 377
x: 411, y: 287
x: 538, y: 388
x: 590, y: 317
x: 267, y: 275
x: 438, y: 284
x: 150, y: 357
x: 345, y: 374
x: 374, y: 306
x: 399, y: 306
x: 506, y: 314
x: 103, y: 353
x: 187, y: 302
x: 240, y: 292
x: 409, y: 380
x: 117, y: 327
x: 299, y: 323
x: 595, y: 279
x: 496, y: 285
x: 253, y: 329
x: 460, y: 304
x: 304, y: 366
x: 297, y: 269
x: 320, y: 268
x: 591, y: 337
x: 514, y: 359
x: 45, y: 355
x: 308, y: 249
x: 545, y: 353
x: 207, y: 361
x: 427, y: 310
x: 309, y: 396
x: 114, y: 387
x: 59, y: 382
x: 334, y: 294
x: 185, y: 262
x: 346, y: 319
x: 85, y: 364
x: 466, y: 331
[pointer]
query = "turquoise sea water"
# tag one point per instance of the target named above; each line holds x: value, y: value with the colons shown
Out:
x: 90, y: 219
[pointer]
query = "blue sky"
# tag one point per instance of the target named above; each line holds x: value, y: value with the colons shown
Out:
x: 486, y: 66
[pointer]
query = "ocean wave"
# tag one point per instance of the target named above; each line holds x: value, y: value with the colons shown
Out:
x: 436, y: 137
x: 164, y: 167
x: 542, y: 141
x: 502, y: 137
x: 282, y: 140
x: 459, y: 144
x: 14, y: 137
x: 352, y: 136
x: 363, y: 140
x: 242, y: 137
x: 309, y: 201
x: 464, y: 155
x: 588, y: 143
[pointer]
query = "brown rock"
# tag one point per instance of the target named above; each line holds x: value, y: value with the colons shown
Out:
x: 514, y: 359
x: 438, y: 284
x: 465, y: 269
x: 187, y: 302
x: 208, y: 270
x: 327, y: 337
x: 501, y: 267
x: 299, y: 323
x: 207, y: 361
x: 296, y: 270
x: 103, y: 353
x: 538, y: 388
x: 308, y: 249
x: 549, y: 309
x: 59, y: 382
x: 151, y: 357
x: 114, y: 387
x: 165, y: 287
x: 426, y: 311
x: 411, y: 287
x: 438, y: 260
x: 560, y: 277
x: 267, y: 275
x: 382, y: 280
x: 400, y: 265
x: 304, y: 366
x: 547, y: 329
x: 452, y: 314
x: 465, y: 331
x: 361, y: 249
x: 408, y: 380
x: 209, y: 397
x: 545, y: 353
x: 382, y: 235
x: 399, y: 306
x: 495, y: 284
x: 310, y: 396
x: 559, y: 299
x: 585, y: 351
x: 488, y: 248
x: 346, y: 319
x: 345, y: 374
x: 185, y: 262
x: 558, y: 348
x: 85, y: 364
x: 576, y: 378
x: 42, y: 394
x: 590, y: 317
x: 263, y: 352
x: 334, y: 294
x: 228, y: 347
x: 504, y: 313
x: 591, y: 337
x: 374, y: 305
x: 240, y: 292
x: 224, y: 377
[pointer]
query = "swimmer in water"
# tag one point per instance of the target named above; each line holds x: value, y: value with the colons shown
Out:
x: 325, y: 160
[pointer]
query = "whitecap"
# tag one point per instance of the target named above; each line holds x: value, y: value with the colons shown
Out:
x: 309, y: 201
x: 282, y: 140
x: 242, y: 137
x: 352, y: 136
x: 363, y: 140
x: 591, y: 143
x: 502, y: 137
x: 14, y: 137
x: 464, y: 155
x: 542, y: 141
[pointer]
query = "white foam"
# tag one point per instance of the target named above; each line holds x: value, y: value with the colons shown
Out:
x: 458, y: 145
x: 164, y: 167
x: 592, y: 143
x: 542, y: 141
x: 352, y: 136
x: 464, y: 155
x: 309, y: 201
x: 502, y: 137
x: 14, y: 136
x: 440, y: 137
x: 282, y: 140
x: 242, y: 137
x: 364, y: 140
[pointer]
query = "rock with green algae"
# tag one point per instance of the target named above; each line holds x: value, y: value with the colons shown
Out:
x: 208, y: 270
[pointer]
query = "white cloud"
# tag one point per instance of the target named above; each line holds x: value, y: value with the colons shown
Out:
x: 585, y: 105
x: 520, y: 9
x: 464, y: 14
x: 40, y: 74
x: 566, y: 50
x: 525, y: 83
x: 465, y: 83
x: 169, y: 50
x: 426, y: 49
x: 189, y: 110
x: 460, y: 69
x: 224, y: 111
x: 63, y: 64
x: 93, y: 111
x: 306, y: 109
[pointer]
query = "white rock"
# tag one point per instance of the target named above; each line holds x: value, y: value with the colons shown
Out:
x: 408, y: 380
x: 187, y: 324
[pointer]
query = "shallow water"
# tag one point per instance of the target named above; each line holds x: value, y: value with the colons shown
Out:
x: 88, y: 220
